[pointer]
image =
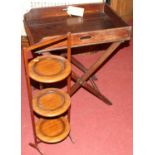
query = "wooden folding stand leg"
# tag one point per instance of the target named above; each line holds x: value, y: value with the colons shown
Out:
x: 35, y: 144
x: 81, y: 81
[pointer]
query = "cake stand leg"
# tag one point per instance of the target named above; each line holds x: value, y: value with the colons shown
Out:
x: 36, y: 147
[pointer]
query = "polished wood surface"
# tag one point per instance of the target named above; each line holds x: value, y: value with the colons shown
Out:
x: 51, y: 102
x: 52, y: 130
x: 98, y: 25
x: 49, y: 68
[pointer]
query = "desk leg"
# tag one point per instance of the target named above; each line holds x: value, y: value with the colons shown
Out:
x: 84, y: 69
x: 94, y: 67
x: 88, y: 87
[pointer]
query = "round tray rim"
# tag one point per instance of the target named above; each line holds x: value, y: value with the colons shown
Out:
x: 66, y: 70
x: 55, y: 139
x: 51, y: 113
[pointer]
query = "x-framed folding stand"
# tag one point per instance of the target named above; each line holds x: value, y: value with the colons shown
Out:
x: 81, y: 81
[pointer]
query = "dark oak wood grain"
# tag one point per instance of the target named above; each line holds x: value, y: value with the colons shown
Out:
x: 98, y: 25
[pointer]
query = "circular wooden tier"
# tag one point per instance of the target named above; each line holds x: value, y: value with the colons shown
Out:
x: 49, y: 69
x: 52, y: 130
x: 51, y: 102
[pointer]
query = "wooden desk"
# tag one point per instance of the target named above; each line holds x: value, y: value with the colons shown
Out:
x: 100, y: 24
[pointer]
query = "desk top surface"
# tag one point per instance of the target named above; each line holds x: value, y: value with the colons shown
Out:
x: 61, y: 25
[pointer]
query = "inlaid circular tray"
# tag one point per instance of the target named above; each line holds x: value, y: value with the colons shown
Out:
x: 52, y: 130
x: 49, y: 69
x: 50, y: 102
